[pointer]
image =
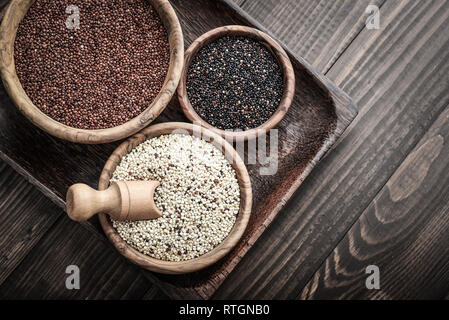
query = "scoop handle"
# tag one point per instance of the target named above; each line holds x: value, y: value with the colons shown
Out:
x: 123, y: 200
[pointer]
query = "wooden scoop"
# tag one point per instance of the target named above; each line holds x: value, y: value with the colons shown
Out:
x: 123, y: 200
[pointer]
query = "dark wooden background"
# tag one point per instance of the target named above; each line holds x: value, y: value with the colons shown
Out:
x: 380, y: 197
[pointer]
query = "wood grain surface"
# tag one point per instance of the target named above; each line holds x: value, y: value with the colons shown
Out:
x: 239, y: 2
x: 318, y: 30
x: 399, y: 77
x: 56, y: 164
x: 8, y: 29
x: 103, y: 273
x: 154, y: 293
x: 38, y: 242
x: 404, y: 231
x: 20, y: 232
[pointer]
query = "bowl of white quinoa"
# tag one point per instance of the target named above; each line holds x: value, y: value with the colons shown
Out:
x: 204, y: 195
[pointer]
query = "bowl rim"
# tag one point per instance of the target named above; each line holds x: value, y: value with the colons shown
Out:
x: 275, y: 48
x: 14, y: 14
x: 209, y: 258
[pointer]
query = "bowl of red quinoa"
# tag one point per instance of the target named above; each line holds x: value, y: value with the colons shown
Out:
x: 91, y: 71
x: 136, y: 240
x: 236, y: 81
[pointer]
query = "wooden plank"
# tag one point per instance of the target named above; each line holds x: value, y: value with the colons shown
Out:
x: 318, y: 31
x: 154, y: 293
x: 404, y: 231
x: 399, y: 77
x: 25, y: 216
x: 104, y: 274
x: 55, y: 164
x: 239, y: 2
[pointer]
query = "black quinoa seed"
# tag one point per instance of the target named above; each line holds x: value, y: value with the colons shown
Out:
x: 235, y: 83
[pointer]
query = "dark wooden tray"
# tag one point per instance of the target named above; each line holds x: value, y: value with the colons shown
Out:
x: 319, y: 114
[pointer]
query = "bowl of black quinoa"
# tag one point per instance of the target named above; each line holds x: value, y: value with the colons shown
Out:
x: 236, y: 81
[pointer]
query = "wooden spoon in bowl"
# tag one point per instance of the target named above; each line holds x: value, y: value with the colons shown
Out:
x: 123, y: 200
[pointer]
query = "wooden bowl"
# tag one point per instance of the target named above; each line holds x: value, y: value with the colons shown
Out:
x: 276, y: 50
x: 218, y: 252
x: 8, y: 29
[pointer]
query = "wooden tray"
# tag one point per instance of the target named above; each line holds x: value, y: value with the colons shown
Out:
x: 320, y: 113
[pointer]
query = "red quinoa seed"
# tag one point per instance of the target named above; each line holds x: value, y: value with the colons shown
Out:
x: 98, y: 76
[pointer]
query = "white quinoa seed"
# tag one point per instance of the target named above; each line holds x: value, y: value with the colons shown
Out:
x: 199, y: 197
